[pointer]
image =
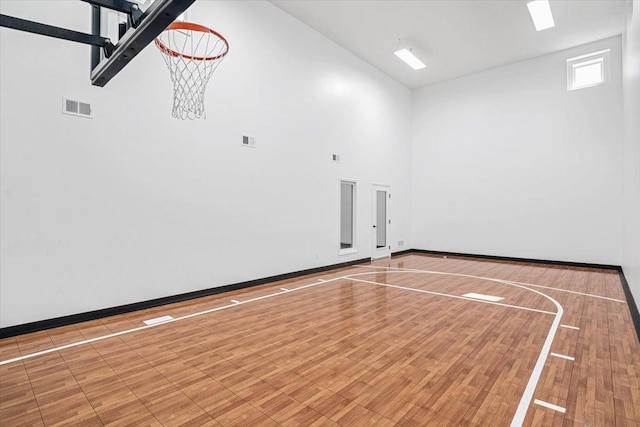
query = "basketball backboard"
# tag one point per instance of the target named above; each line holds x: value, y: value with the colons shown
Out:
x: 154, y: 17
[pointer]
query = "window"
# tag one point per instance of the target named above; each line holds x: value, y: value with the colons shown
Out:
x: 588, y: 70
x: 347, y: 216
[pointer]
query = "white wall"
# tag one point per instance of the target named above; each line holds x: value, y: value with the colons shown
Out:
x: 508, y: 162
x: 631, y: 205
x: 134, y: 205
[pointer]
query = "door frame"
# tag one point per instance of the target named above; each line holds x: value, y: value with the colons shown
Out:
x: 353, y: 249
x: 385, y: 252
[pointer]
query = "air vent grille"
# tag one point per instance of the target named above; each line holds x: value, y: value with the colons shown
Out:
x: 84, y: 109
x: 248, y: 141
x: 71, y: 106
x: 76, y: 108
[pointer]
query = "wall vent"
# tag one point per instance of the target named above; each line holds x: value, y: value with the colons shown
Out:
x: 400, y: 243
x: 335, y: 157
x: 76, y: 108
x: 248, y: 141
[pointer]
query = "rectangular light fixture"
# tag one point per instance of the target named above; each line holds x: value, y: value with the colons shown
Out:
x: 409, y: 58
x: 540, y: 12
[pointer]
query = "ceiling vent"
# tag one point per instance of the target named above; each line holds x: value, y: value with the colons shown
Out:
x: 76, y: 108
x: 335, y: 157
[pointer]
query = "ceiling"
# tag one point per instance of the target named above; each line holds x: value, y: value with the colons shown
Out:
x: 454, y: 38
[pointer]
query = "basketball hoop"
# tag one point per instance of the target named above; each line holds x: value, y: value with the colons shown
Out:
x: 192, y: 53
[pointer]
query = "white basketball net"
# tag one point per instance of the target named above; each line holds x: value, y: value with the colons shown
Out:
x: 192, y: 53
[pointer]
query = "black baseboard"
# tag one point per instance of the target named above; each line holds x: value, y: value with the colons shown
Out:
x: 26, y: 328
x: 633, y: 308
x: 521, y: 260
x: 405, y: 252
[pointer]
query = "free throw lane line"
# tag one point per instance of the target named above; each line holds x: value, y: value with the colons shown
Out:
x: 550, y: 405
x: 562, y: 356
x: 570, y: 327
x: 157, y: 320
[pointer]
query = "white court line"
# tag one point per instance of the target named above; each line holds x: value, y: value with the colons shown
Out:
x: 550, y: 406
x: 157, y: 320
x: 525, y: 401
x: 570, y: 327
x: 483, y: 297
x: 451, y: 296
x: 235, y: 301
x: 128, y: 331
x: 568, y: 291
x: 284, y: 289
x: 562, y: 356
x: 510, y: 281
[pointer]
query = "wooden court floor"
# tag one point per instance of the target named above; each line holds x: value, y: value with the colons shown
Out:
x: 393, y: 342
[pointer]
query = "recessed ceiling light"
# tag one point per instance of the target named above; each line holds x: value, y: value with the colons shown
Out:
x: 407, y: 56
x: 540, y: 12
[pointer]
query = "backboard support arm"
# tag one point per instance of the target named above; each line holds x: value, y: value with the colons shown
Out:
x: 95, y: 30
x: 56, y: 32
x: 140, y: 29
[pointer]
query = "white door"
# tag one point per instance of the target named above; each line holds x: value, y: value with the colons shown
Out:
x: 381, y: 247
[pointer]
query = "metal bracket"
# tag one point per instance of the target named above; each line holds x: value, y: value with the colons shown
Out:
x: 108, y: 48
x: 124, y: 6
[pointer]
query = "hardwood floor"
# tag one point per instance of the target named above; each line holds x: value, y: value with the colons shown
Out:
x: 365, y: 345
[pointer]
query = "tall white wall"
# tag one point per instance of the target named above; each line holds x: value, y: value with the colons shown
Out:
x: 631, y: 205
x: 134, y: 205
x: 508, y: 162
